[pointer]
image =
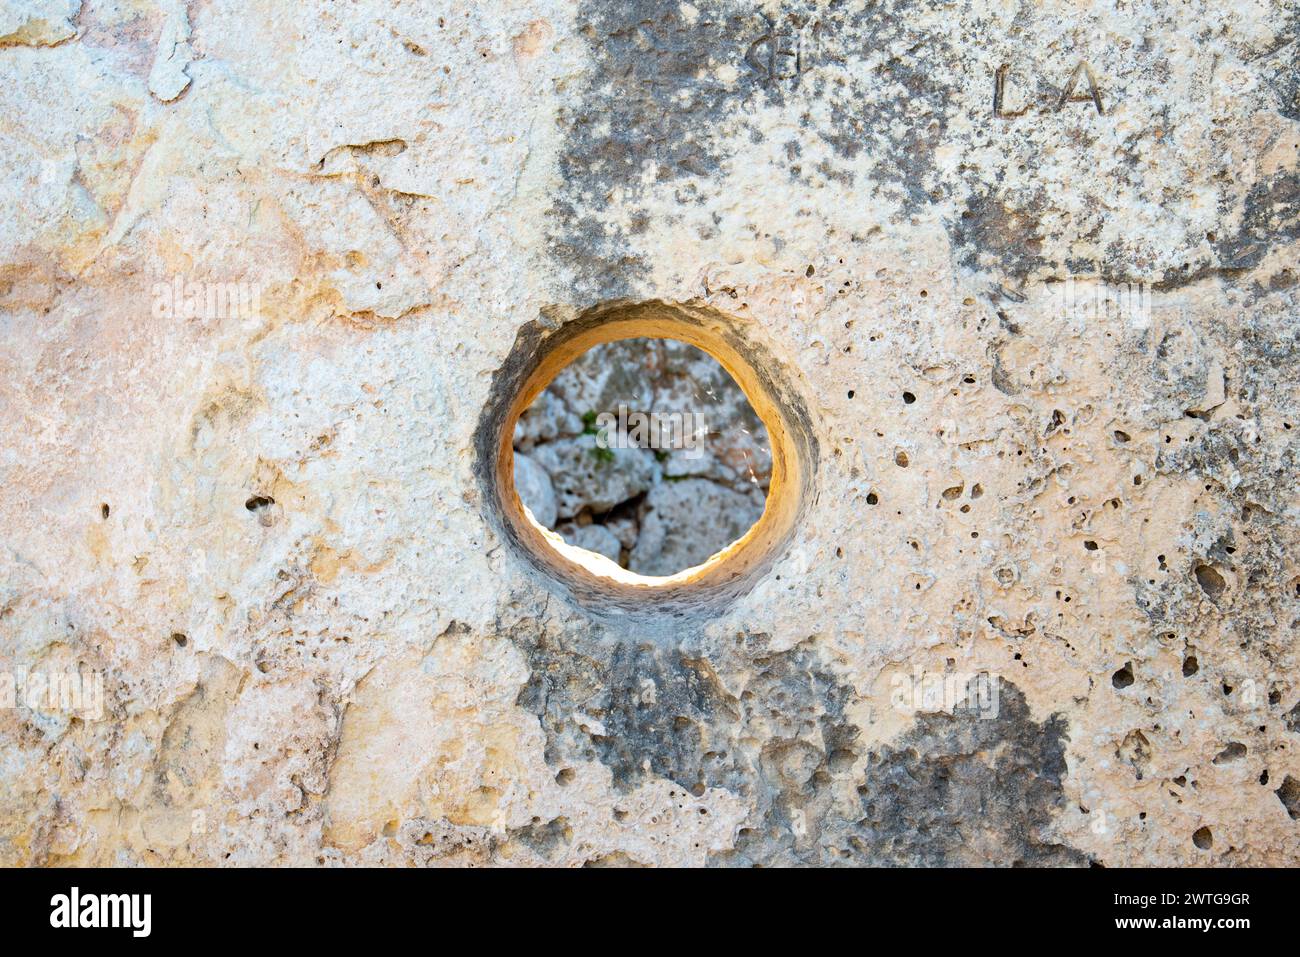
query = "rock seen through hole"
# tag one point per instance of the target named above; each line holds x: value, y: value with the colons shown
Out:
x: 644, y: 451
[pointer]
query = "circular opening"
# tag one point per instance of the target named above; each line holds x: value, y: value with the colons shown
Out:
x: 544, y: 348
x: 644, y: 453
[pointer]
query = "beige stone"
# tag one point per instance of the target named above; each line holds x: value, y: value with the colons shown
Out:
x: 261, y: 510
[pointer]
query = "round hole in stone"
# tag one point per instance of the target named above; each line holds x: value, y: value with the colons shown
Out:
x: 546, y: 347
x: 643, y: 452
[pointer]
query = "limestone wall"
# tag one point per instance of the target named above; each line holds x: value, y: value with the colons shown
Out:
x: 266, y: 269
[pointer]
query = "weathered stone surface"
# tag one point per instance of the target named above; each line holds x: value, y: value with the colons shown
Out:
x: 37, y: 23
x: 261, y: 526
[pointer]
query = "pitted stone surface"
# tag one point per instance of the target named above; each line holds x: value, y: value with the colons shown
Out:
x: 260, y: 523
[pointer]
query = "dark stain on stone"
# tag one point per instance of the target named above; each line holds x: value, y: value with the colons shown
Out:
x: 547, y: 839
x: 664, y: 712
x: 1001, y: 381
x: 676, y: 89
x: 900, y: 111
x: 955, y: 789
x: 1271, y: 214
x: 1289, y: 795
x: 1292, y: 719
x: 793, y: 707
x: 650, y: 96
x: 642, y: 709
x: 1277, y: 66
x: 656, y: 92
x: 646, y: 710
x: 992, y: 231
x: 959, y: 789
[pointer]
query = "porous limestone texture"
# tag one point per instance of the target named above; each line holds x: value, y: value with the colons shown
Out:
x: 256, y: 516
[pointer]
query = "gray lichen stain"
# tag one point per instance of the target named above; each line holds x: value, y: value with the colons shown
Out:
x: 963, y: 789
x: 648, y: 97
x: 1271, y: 215
x: 660, y: 711
x: 650, y: 710
x: 686, y: 87
x: 663, y: 81
x: 955, y: 789
x: 1006, y: 234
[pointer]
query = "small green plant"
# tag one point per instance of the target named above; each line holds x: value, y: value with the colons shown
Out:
x: 601, y: 450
